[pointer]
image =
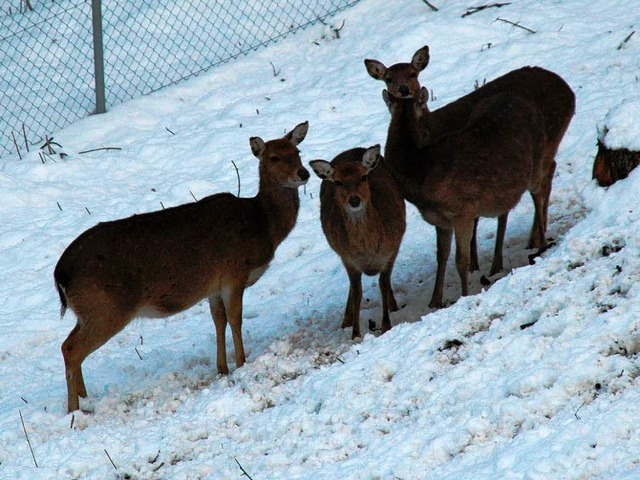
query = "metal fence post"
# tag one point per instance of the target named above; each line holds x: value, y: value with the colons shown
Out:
x: 98, y: 55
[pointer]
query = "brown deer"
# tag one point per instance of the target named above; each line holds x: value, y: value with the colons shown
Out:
x: 414, y: 130
x: 363, y: 217
x: 160, y: 263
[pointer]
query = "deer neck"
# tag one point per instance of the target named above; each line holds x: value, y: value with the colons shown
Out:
x: 402, y: 145
x: 280, y: 206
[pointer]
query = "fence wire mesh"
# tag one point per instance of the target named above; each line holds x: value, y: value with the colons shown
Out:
x: 46, y: 54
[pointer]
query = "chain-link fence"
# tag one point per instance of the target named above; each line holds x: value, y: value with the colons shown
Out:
x: 47, y: 57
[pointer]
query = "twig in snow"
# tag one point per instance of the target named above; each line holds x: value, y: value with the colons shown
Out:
x: 87, y: 209
x: 472, y: 10
x: 515, y: 24
x: 336, y: 31
x: 244, y: 472
x: 58, y: 203
x: 167, y: 129
x: 194, y: 197
x: 237, y: 175
x: 24, y: 134
x: 275, y: 71
x: 626, y: 40
x: 576, y: 414
x: 109, y: 457
x: 136, y: 349
x: 16, y: 144
x: 98, y: 149
x: 430, y: 5
x: 73, y: 419
x: 26, y: 435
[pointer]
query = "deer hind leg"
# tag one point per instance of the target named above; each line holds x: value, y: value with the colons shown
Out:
x: 232, y: 297
x: 541, y: 197
x: 355, y: 291
x: 474, y: 266
x: 219, y: 315
x: 388, y: 300
x: 443, y: 241
x: 463, y: 229
x: 496, y: 265
x: 85, y: 338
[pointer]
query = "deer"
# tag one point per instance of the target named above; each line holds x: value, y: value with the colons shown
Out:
x: 160, y: 263
x: 363, y: 218
x: 414, y: 128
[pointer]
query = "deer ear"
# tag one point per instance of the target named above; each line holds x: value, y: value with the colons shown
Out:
x: 376, y: 69
x: 297, y: 135
x: 371, y: 157
x: 423, y: 97
x: 387, y: 99
x: 420, y: 59
x: 322, y: 169
x: 257, y: 146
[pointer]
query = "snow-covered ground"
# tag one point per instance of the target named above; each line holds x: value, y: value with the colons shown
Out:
x: 461, y: 393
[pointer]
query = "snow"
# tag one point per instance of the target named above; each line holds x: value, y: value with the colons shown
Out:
x: 619, y: 129
x: 472, y: 391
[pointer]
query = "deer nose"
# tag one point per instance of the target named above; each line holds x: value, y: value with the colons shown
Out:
x: 303, y: 173
x: 354, y: 201
x: 403, y: 90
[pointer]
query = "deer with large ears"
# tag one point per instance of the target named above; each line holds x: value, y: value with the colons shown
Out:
x: 161, y: 263
x: 414, y: 127
x: 363, y: 217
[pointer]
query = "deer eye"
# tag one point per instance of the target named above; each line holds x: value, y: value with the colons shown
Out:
x: 274, y: 158
x: 338, y: 183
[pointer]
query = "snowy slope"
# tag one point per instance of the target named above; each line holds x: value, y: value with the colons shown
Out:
x: 461, y: 393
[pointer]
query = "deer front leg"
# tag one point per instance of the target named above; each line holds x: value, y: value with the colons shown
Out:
x: 355, y: 282
x: 232, y: 298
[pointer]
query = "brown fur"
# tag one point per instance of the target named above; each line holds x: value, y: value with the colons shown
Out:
x: 420, y: 144
x: 164, y: 262
x: 367, y: 240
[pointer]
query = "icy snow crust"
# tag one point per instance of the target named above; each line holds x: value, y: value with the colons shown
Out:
x: 460, y: 393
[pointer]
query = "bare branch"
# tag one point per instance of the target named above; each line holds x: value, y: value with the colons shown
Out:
x: 238, y: 175
x: 26, y: 435
x: 515, y: 24
x: 98, y: 149
x: 244, y: 472
x: 430, y: 5
x: 626, y: 40
x: 479, y: 8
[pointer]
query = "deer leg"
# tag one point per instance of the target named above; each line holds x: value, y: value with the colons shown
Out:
x: 463, y: 229
x: 443, y: 241
x: 474, y: 266
x: 355, y: 281
x: 496, y: 265
x: 386, y: 293
x: 347, y: 320
x: 232, y: 298
x: 541, y: 197
x: 219, y: 315
x: 83, y: 340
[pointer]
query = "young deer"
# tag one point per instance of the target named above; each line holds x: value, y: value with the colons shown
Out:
x: 160, y: 263
x: 363, y: 218
x: 415, y: 129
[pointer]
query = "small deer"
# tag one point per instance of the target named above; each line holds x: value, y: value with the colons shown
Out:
x: 161, y: 263
x: 363, y: 217
x: 414, y: 130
